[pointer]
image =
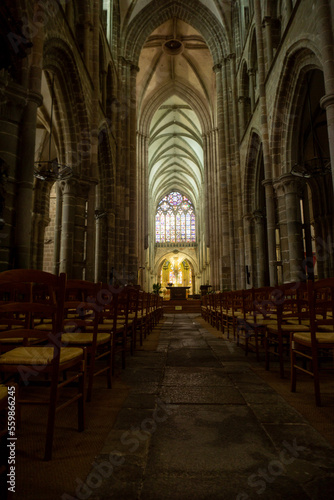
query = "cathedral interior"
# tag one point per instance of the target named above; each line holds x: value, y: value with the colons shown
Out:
x: 139, y: 137
x: 186, y: 143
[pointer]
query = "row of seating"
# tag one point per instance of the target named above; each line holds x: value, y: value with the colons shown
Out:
x: 295, y: 319
x: 60, y: 333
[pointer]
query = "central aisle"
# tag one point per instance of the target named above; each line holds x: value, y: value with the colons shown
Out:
x: 199, y: 424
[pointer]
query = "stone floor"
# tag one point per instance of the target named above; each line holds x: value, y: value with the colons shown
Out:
x: 199, y: 424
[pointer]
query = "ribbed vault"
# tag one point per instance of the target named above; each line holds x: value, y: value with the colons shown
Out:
x: 175, y: 99
x: 175, y: 151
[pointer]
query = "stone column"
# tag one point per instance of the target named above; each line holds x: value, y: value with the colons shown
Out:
x: 329, y: 232
x: 289, y: 8
x: 67, y: 228
x: 293, y: 191
x: 37, y: 240
x: 325, y: 34
x: 228, y: 257
x: 241, y: 101
x: 247, y: 224
x: 321, y: 252
x: 25, y: 182
x: 308, y: 237
x: 251, y: 74
x: 268, y: 40
x: 13, y: 100
x: 90, y: 232
x: 269, y: 191
x: 103, y: 77
x: 261, y: 256
x: 133, y: 250
x: 142, y: 197
x: 99, y: 226
x: 271, y: 230
x: 57, y: 232
x: 207, y: 183
x: 283, y: 232
x: 79, y: 257
x: 240, y: 263
x: 111, y: 242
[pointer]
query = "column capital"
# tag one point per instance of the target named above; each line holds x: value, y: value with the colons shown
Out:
x: 267, y: 183
x: 248, y: 217
x: 35, y: 97
x: 291, y: 184
x: 258, y: 216
x: 327, y: 100
x: 279, y: 188
x: 68, y: 187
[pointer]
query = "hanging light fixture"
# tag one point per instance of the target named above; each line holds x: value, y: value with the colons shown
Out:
x: 51, y: 170
x: 318, y: 165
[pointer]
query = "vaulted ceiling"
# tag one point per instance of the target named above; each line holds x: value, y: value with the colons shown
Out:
x: 175, y: 73
x: 175, y: 105
x: 129, y: 9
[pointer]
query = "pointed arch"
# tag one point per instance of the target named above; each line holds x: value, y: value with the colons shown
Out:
x: 194, y: 13
x: 70, y: 106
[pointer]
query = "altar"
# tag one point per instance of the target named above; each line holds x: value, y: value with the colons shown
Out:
x: 178, y: 292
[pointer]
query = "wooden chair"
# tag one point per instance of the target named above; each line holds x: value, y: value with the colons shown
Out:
x: 114, y: 319
x: 30, y: 364
x: 82, y: 312
x: 132, y: 314
x: 205, y: 307
x: 227, y: 319
x: 22, y: 292
x: 312, y: 346
x: 257, y: 315
x: 291, y: 313
x: 141, y: 315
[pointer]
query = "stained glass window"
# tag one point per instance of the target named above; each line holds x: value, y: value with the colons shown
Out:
x: 175, y: 220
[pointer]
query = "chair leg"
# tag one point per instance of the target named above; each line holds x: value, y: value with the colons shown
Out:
x: 81, y: 390
x: 51, y: 419
x: 90, y: 378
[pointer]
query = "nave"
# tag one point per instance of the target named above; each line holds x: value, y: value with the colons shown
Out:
x: 198, y: 423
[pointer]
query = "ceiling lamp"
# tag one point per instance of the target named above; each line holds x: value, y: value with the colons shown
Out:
x: 318, y: 165
x: 51, y: 170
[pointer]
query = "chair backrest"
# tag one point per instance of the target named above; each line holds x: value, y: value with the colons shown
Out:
x: 83, y: 305
x: 321, y: 303
x: 133, y: 297
x: 116, y: 304
x: 46, y: 299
